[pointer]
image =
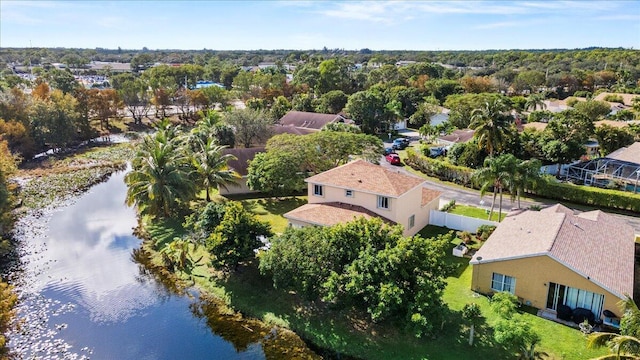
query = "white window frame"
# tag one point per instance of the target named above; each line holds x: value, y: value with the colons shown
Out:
x: 383, y: 202
x: 412, y: 221
x: 348, y: 193
x: 318, y: 190
x: 500, y: 282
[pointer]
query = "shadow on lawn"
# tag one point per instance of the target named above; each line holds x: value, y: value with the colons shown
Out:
x: 324, y: 327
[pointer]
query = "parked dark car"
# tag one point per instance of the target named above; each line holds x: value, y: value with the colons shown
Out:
x: 389, y: 150
x: 400, y: 143
x: 436, y: 151
x: 393, y: 159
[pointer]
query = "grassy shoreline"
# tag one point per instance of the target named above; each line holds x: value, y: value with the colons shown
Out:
x: 348, y: 333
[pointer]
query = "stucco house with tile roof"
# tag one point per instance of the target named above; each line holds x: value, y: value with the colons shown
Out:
x: 361, y: 189
x: 554, y: 257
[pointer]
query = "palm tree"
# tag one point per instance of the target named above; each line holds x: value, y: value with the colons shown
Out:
x: 211, y: 167
x: 160, y: 178
x: 526, y: 176
x: 497, y: 173
x: 491, y: 124
x: 535, y: 101
x: 625, y: 345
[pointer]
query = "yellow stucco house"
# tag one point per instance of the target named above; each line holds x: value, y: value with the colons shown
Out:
x: 361, y: 189
x: 553, y: 257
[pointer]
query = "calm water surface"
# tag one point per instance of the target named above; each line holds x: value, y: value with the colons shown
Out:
x: 84, y: 297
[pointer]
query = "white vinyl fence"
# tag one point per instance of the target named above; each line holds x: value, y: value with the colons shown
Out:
x: 457, y: 222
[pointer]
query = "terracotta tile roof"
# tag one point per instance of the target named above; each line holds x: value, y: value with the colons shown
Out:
x: 364, y: 176
x: 615, y: 124
x: 627, y: 98
x: 535, y: 125
x: 429, y: 195
x: 630, y: 153
x: 243, y: 156
x: 308, y: 120
x: 332, y: 213
x: 458, y: 136
x: 593, y: 244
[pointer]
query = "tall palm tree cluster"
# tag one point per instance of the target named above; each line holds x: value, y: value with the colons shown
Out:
x: 506, y: 172
x: 171, y: 166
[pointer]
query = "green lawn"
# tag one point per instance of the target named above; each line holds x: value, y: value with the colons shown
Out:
x: 347, y: 332
x: 477, y: 212
x: 271, y: 210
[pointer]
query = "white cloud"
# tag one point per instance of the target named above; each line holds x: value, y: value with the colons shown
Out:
x: 393, y: 11
x: 499, y: 25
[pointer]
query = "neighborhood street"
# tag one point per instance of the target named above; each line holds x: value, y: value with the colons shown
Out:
x: 472, y: 197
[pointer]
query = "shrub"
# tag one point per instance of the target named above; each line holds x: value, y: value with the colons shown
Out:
x: 484, y: 231
x: 449, y: 206
x: 593, y: 196
x: 614, y: 98
x: 584, y: 94
x: 571, y: 101
x: 439, y: 169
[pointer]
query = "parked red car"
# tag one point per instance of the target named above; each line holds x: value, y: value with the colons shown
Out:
x: 393, y: 159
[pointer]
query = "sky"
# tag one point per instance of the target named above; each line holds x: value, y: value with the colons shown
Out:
x: 304, y: 25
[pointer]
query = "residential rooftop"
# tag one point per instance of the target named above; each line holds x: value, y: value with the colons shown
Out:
x: 364, y: 176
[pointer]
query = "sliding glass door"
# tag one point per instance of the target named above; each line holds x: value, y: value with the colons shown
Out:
x: 574, y: 298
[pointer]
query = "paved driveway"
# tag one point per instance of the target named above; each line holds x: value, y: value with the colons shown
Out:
x: 472, y: 197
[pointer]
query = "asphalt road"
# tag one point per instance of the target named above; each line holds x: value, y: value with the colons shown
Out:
x: 472, y: 197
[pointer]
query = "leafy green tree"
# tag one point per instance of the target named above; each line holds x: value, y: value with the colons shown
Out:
x: 332, y: 102
x: 462, y: 105
x: 442, y: 88
x: 341, y: 127
x: 497, y: 174
x: 540, y: 116
x: 518, y: 335
x: 303, y: 102
x: 467, y: 154
x: 593, y: 109
x: 504, y: 304
x: 136, y: 97
x: 53, y: 121
x: 299, y: 259
x: 471, y: 312
x: 529, y: 80
x: 367, y: 109
x: 405, y: 280
x: 276, y: 174
x: 611, y: 139
x: 236, y: 237
x: 250, y: 125
x: 211, y: 167
x: 62, y: 80
x: 335, y: 74
x: 491, y: 124
x: 425, y: 111
x: 280, y: 107
x: 159, y: 182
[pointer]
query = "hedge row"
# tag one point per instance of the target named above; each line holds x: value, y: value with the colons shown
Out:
x: 442, y: 170
x: 588, y: 195
x: 548, y: 188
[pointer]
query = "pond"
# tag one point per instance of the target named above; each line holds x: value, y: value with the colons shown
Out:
x: 84, y: 296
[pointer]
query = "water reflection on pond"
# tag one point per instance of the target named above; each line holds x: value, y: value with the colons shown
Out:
x: 84, y: 297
